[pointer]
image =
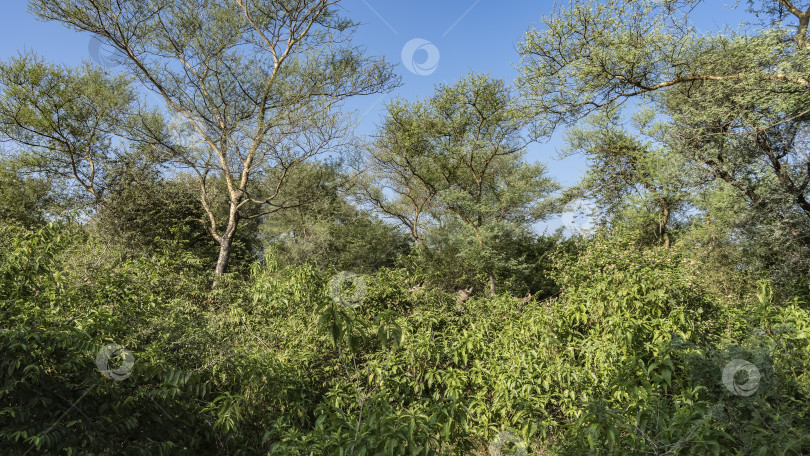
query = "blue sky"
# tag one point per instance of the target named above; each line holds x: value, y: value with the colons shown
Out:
x: 449, y: 37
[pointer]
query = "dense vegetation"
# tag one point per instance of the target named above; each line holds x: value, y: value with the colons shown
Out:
x: 215, y: 276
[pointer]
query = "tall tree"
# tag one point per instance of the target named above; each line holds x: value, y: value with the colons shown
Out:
x: 630, y: 181
x: 460, y: 154
x: 731, y: 103
x: 257, y: 83
x: 62, y: 121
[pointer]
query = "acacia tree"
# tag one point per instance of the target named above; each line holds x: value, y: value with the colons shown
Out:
x: 731, y: 104
x: 630, y: 181
x: 257, y: 84
x: 459, y: 156
x: 61, y: 121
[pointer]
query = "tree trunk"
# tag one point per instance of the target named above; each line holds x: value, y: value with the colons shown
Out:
x: 491, y: 285
x: 226, y: 244
x: 663, y: 222
x: 224, y: 255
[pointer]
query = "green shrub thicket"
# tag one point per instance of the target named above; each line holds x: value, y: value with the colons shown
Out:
x: 627, y: 358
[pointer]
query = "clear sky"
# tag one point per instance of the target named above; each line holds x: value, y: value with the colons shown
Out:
x: 433, y: 42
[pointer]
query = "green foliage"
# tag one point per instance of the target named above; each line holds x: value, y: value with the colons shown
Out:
x: 54, y: 324
x: 254, y: 92
x: 632, y: 183
x: 626, y: 359
x: 62, y: 120
x: 339, y: 343
x: 451, y: 259
x: 141, y: 208
x: 726, y: 108
x: 455, y: 163
x: 668, y: 394
x: 24, y: 199
x: 329, y: 230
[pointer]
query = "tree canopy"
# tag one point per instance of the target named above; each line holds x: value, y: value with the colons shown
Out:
x: 459, y: 154
x: 258, y: 83
x: 235, y: 269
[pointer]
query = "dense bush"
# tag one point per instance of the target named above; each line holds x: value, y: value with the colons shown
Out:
x: 627, y: 359
x: 662, y: 389
x: 179, y: 273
